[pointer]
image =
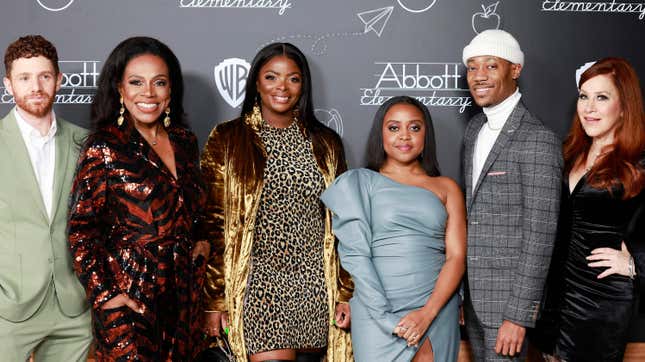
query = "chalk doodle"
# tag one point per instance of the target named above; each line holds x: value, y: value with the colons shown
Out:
x: 488, y: 19
x: 331, y: 118
x: 376, y: 20
x: 52, y: 7
x: 409, y: 8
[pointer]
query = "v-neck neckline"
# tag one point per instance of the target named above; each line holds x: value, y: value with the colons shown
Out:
x: 581, y: 181
x: 154, y: 157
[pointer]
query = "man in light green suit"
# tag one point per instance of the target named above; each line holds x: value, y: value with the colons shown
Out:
x: 42, y: 304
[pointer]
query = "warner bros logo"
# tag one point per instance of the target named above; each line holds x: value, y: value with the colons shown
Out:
x: 230, y: 78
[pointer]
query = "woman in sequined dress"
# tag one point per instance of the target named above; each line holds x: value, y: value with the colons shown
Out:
x: 134, y: 209
x: 274, y: 283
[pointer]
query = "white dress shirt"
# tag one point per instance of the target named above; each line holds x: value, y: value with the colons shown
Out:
x: 42, y: 153
x: 497, y: 116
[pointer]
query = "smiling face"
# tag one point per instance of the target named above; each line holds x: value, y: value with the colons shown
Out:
x: 599, y: 108
x: 145, y: 88
x: 33, y: 83
x: 403, y: 133
x: 491, y: 79
x: 279, y: 85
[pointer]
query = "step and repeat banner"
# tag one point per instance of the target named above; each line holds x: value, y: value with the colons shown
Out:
x: 361, y: 53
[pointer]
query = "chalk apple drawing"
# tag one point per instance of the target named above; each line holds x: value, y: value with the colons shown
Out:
x: 410, y: 9
x: 486, y: 20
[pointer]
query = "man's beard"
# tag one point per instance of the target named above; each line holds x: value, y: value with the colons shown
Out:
x: 37, y: 110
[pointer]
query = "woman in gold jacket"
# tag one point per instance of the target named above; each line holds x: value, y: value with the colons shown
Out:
x: 273, y: 283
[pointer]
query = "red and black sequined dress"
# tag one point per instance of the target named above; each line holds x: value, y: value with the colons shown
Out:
x: 131, y: 228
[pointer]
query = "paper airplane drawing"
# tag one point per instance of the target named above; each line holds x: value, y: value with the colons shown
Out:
x: 375, y: 20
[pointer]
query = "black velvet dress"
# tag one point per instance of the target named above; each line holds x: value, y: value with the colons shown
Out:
x: 592, y: 316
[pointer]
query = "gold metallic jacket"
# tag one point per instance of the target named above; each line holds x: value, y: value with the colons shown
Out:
x: 233, y: 167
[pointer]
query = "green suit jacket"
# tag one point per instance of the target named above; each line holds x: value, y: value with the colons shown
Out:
x: 33, y: 250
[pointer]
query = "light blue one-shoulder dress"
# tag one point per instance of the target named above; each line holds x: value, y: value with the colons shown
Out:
x: 392, y: 242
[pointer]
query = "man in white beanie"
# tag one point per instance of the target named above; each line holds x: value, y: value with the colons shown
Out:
x: 512, y: 171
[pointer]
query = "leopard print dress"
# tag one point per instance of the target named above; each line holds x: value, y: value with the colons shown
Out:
x: 286, y: 302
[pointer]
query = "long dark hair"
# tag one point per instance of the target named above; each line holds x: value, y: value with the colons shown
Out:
x: 620, y: 167
x: 376, y: 153
x: 305, y: 104
x: 105, y: 107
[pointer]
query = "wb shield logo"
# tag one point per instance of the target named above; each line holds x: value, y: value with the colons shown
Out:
x: 230, y: 78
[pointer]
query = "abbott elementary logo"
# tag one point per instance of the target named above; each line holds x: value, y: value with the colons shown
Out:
x: 230, y: 78
x: 433, y: 84
x: 608, y: 7
x: 280, y: 5
x: 55, y: 5
x: 77, y: 87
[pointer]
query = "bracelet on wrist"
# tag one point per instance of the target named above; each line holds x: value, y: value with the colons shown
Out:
x: 631, y: 267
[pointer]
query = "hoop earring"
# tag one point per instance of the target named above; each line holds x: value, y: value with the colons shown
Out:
x: 119, y: 121
x: 166, y: 121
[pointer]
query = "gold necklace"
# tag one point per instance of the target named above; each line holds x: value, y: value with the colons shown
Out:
x: 155, y: 134
x: 270, y: 124
x: 589, y: 167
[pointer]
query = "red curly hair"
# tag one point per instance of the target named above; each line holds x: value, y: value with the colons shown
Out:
x: 30, y: 46
x: 620, y: 168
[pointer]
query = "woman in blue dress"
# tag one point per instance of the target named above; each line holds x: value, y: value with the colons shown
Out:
x: 402, y: 236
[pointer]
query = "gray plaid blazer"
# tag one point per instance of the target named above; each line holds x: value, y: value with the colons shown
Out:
x: 512, y: 218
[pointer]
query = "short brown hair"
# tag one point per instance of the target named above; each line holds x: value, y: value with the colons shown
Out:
x: 30, y: 46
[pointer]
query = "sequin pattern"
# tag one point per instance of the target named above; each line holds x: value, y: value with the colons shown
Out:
x: 131, y: 228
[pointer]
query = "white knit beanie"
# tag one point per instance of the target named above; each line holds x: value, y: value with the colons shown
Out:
x: 496, y: 43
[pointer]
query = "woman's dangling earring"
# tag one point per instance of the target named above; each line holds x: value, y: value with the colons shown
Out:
x: 119, y: 120
x: 166, y: 121
x: 257, y: 112
x: 255, y: 118
x: 295, y: 113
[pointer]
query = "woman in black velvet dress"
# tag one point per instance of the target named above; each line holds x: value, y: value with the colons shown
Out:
x: 600, y: 253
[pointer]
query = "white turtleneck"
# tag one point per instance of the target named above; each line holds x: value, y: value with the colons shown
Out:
x: 497, y: 116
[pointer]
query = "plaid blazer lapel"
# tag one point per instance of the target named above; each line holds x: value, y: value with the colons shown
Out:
x: 511, y: 125
x: 470, y: 137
